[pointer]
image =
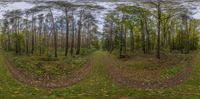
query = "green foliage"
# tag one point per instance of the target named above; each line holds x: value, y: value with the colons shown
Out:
x: 86, y: 51
x: 96, y: 44
x: 170, y: 72
x: 41, y: 66
x: 175, y: 33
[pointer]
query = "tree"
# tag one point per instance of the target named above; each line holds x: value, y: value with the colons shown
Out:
x: 41, y: 18
x: 158, y: 27
x: 65, y: 7
x: 32, y: 12
x: 73, y: 34
x: 79, y: 31
x: 54, y: 32
x: 15, y: 17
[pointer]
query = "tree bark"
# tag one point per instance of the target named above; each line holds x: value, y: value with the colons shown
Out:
x: 143, y: 37
x: 55, y: 34
x: 132, y: 39
x: 79, y: 33
x: 33, y: 42
x: 73, y: 30
x: 158, y: 27
x: 67, y: 33
x: 121, y: 42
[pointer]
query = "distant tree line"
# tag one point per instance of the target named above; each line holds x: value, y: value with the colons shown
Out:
x: 151, y: 27
x: 40, y: 31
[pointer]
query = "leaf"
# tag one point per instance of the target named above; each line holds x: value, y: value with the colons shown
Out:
x: 36, y: 89
x: 16, y: 92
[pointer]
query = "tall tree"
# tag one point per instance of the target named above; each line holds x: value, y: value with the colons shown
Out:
x: 73, y: 34
x: 79, y: 31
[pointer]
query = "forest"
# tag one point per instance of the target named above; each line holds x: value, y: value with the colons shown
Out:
x: 134, y: 49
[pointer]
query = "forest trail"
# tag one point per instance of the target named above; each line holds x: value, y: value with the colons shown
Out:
x: 28, y: 79
x: 97, y: 84
x: 118, y: 49
x: 178, y: 79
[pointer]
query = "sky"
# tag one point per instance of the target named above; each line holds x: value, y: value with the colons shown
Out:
x: 99, y: 15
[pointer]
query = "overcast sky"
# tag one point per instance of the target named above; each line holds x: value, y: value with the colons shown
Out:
x: 98, y: 15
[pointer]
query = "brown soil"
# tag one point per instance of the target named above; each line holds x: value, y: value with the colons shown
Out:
x: 64, y: 81
x: 118, y: 75
x: 148, y: 68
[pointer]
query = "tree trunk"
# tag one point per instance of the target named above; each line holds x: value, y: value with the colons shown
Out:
x: 125, y: 45
x: 79, y: 33
x: 55, y: 34
x: 16, y: 42
x: 73, y: 30
x: 40, y: 37
x: 67, y: 33
x: 9, y: 42
x: 33, y: 44
x: 158, y: 27
x: 132, y: 40
x: 27, y: 37
x: 121, y: 42
x: 143, y: 37
x: 148, y: 36
x: 111, y: 38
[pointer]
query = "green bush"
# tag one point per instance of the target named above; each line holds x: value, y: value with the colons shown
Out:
x: 86, y: 51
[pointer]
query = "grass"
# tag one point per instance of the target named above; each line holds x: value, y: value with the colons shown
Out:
x: 169, y: 72
x: 50, y: 66
x: 97, y: 85
x: 148, y: 68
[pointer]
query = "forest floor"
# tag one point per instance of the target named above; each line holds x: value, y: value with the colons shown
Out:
x: 148, y: 72
x: 99, y: 84
x: 48, y: 72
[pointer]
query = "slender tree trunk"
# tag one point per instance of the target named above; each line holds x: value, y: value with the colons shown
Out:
x: 132, y: 40
x: 62, y: 35
x: 125, y: 45
x: 73, y: 30
x: 121, y: 42
x: 9, y: 42
x: 19, y: 43
x: 40, y: 37
x: 111, y: 38
x: 148, y: 36
x: 27, y: 37
x: 44, y: 38
x: 67, y: 33
x: 55, y: 34
x: 32, y: 51
x: 187, y: 37
x: 16, y: 42
x: 143, y: 37
x: 158, y: 27
x: 79, y: 33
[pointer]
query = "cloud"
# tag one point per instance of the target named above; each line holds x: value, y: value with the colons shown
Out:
x: 99, y: 15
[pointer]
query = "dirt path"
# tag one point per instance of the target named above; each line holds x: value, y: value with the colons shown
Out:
x: 170, y: 82
x: 62, y: 82
x: 111, y: 69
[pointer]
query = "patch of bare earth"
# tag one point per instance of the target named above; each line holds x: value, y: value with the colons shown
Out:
x: 145, y: 72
